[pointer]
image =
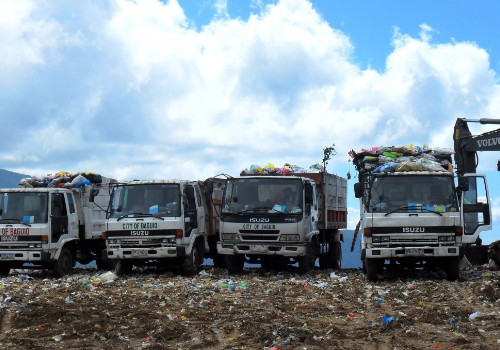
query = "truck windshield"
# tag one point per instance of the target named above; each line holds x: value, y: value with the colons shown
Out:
x: 160, y: 200
x: 412, y: 193
x: 23, y: 207
x: 262, y: 195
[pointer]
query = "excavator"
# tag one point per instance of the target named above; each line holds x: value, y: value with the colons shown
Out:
x: 476, y: 207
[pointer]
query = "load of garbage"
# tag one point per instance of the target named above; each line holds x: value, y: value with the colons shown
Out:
x: 62, y: 179
x: 287, y: 169
x: 390, y: 159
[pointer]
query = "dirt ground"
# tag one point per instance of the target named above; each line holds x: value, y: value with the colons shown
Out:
x: 259, y: 309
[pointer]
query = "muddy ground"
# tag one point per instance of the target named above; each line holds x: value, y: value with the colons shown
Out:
x: 259, y: 309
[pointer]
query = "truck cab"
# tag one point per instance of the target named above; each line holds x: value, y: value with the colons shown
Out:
x: 416, y: 218
x: 159, y: 222
x: 280, y: 220
x: 51, y: 227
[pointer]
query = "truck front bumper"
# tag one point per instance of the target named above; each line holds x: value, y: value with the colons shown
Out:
x: 412, y: 252
x: 146, y: 253
x: 24, y: 255
x: 261, y: 249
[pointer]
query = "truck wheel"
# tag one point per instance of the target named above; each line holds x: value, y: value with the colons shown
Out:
x: 333, y: 258
x: 123, y: 267
x: 235, y: 263
x: 307, y: 262
x: 192, y: 262
x: 372, y: 269
x: 4, y: 269
x: 452, y: 268
x: 334, y: 255
x: 64, y: 264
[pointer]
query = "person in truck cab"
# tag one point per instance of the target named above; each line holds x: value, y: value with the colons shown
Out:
x: 286, y: 196
x: 139, y: 205
x: 438, y: 196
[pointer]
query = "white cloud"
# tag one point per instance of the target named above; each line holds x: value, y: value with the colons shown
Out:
x: 131, y: 89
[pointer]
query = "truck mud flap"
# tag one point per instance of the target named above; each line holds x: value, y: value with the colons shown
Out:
x: 477, y: 255
x: 45, y: 256
x: 181, y: 251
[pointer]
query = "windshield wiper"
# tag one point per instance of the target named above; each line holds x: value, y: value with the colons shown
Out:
x: 139, y: 215
x: 18, y: 221
x: 412, y: 207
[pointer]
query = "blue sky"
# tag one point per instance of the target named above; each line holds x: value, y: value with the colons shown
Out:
x: 156, y: 89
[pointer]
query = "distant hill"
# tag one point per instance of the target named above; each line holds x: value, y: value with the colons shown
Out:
x: 9, y: 179
x: 351, y: 259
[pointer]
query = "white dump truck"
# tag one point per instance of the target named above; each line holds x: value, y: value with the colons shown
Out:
x: 165, y: 223
x: 411, y: 214
x: 54, y: 224
x: 281, y: 220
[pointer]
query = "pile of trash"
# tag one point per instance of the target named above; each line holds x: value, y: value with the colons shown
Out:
x: 259, y: 309
x: 287, y: 169
x: 62, y: 179
x: 385, y: 159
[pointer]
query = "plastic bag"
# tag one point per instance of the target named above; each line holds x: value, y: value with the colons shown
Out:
x: 390, y: 155
x: 370, y: 159
x: 269, y: 167
x: 438, y: 151
x: 409, y: 166
x: 432, y: 167
x: 385, y: 168
x: 255, y: 169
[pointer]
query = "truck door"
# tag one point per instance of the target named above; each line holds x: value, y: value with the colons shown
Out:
x: 476, y: 209
x: 190, y: 212
x: 58, y: 216
x: 201, y: 215
x: 72, y: 217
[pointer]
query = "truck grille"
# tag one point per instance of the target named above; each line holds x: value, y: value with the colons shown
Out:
x: 261, y: 235
x: 144, y: 243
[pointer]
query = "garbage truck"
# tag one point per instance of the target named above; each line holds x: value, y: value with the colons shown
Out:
x: 282, y: 218
x: 54, y: 222
x: 411, y: 212
x: 171, y: 224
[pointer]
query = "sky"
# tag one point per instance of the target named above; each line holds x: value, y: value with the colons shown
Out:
x: 190, y: 89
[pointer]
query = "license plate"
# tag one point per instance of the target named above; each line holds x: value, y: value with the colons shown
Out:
x: 140, y: 252
x: 258, y: 248
x: 7, y: 256
x: 414, y: 251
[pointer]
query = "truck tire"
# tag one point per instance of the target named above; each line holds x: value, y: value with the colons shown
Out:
x: 307, y: 262
x: 123, y: 267
x: 64, y: 264
x: 372, y: 267
x: 4, y: 269
x: 235, y: 263
x: 192, y: 262
x: 335, y: 255
x: 452, y: 268
x: 333, y: 258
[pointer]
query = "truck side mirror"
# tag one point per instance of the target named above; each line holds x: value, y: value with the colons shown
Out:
x: 463, y: 184
x: 308, y: 193
x: 498, y: 165
x: 93, y: 193
x: 358, y: 190
x: 308, y: 208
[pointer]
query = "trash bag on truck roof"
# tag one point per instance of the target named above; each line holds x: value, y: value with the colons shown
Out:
x: 386, y: 168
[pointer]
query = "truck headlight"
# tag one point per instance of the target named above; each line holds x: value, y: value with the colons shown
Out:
x: 288, y: 238
x: 230, y: 237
